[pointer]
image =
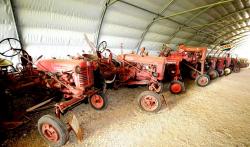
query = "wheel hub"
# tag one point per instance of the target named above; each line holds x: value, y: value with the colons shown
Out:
x: 50, y: 132
x: 149, y: 103
x: 175, y: 88
x: 97, y: 101
x: 203, y: 80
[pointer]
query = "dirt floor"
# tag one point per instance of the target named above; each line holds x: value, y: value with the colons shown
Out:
x: 217, y: 115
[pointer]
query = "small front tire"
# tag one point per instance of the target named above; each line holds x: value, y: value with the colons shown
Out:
x: 98, y: 101
x: 176, y: 87
x: 202, y: 80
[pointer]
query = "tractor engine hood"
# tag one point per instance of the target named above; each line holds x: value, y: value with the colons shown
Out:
x: 144, y: 60
x: 61, y: 65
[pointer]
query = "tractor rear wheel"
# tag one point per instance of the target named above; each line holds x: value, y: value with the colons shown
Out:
x: 53, y: 131
x: 213, y: 74
x: 221, y: 72
x: 149, y: 101
x: 98, y: 101
x: 236, y: 69
x: 176, y: 87
x: 227, y: 71
x: 202, y: 80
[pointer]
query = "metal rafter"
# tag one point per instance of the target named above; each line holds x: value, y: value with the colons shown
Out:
x: 151, y: 23
x: 226, y: 26
x: 207, y: 7
x: 107, y: 4
x: 232, y: 31
x: 16, y: 23
x: 217, y: 20
x: 195, y: 9
x: 230, y: 38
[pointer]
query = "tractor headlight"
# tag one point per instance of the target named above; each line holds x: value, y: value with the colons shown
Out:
x: 155, y: 74
x: 77, y: 69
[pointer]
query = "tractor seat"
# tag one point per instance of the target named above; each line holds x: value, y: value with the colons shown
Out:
x: 5, y: 63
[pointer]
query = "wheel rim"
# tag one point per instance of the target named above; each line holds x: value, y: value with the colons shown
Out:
x: 97, y: 101
x: 175, y: 88
x: 212, y: 74
x: 227, y: 71
x: 49, y: 132
x: 203, y: 81
x: 149, y: 103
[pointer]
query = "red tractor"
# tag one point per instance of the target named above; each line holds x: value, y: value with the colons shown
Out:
x: 77, y: 79
x: 212, y: 72
x: 194, y: 58
x: 133, y: 69
x: 235, y: 65
x: 173, y: 60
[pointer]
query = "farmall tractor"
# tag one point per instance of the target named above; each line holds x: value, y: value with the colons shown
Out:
x: 134, y: 69
x: 212, y: 72
x: 13, y: 81
x: 235, y: 64
x: 194, y: 58
x: 78, y: 79
x: 173, y: 60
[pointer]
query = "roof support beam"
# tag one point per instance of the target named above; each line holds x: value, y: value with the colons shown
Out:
x: 232, y: 31
x: 151, y: 23
x: 195, y: 9
x: 16, y: 23
x: 107, y: 4
x: 217, y: 20
x: 228, y: 39
x: 226, y: 26
x: 151, y: 12
x: 187, y: 22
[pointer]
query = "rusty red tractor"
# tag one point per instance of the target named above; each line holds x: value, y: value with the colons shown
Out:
x: 173, y: 60
x: 77, y: 79
x: 212, y: 72
x: 194, y: 58
x: 134, y: 69
x: 235, y: 64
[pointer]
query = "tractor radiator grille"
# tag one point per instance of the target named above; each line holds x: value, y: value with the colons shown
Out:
x: 83, y: 77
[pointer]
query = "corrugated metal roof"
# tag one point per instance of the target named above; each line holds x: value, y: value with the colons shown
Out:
x: 58, y: 26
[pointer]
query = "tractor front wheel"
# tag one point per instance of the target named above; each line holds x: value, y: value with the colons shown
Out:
x: 98, y: 101
x: 227, y: 71
x: 221, y: 72
x: 236, y: 69
x: 176, y: 87
x: 202, y: 80
x: 213, y: 74
x: 53, y: 131
x: 149, y: 101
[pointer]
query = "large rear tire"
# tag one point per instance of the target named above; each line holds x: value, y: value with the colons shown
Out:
x: 227, y: 71
x: 213, y: 74
x: 202, y: 80
x: 149, y: 101
x: 53, y: 131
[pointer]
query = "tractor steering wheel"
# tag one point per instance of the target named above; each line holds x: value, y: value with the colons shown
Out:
x: 10, y: 47
x: 102, y: 46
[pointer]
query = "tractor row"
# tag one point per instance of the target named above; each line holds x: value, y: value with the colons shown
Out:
x: 86, y: 77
